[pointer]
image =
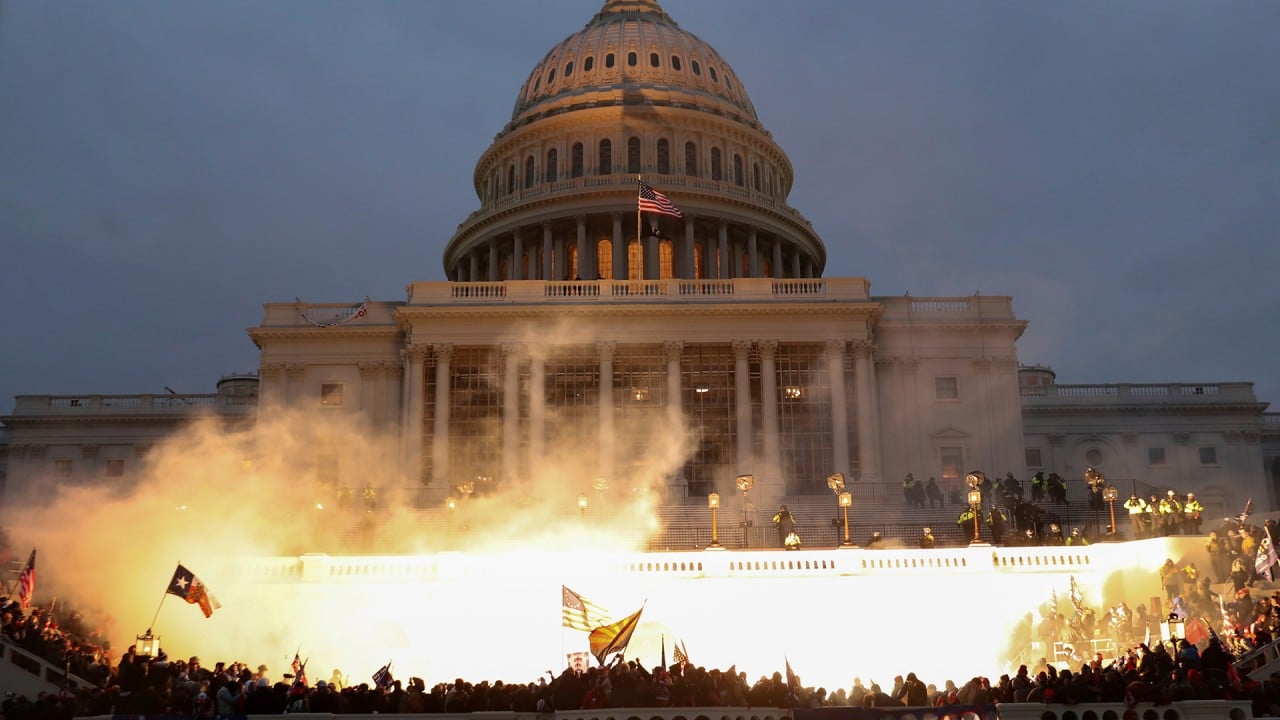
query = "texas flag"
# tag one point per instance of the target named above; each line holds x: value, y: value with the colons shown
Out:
x: 188, y: 587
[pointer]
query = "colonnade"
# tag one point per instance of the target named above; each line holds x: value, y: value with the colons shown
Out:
x: 766, y: 459
x: 543, y: 253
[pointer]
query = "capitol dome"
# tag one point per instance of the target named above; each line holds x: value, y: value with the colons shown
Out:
x: 632, y: 95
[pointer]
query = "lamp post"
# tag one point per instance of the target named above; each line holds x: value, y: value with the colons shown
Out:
x: 582, y: 505
x: 846, y: 500
x: 147, y: 645
x: 974, y: 479
x: 452, y: 504
x: 713, y: 502
x: 1110, y: 493
x: 744, y: 483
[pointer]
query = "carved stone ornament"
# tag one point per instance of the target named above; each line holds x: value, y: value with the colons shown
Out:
x: 606, y: 349
x: 443, y: 351
x: 862, y: 348
x: 767, y: 348
x: 294, y: 371
x: 741, y: 347
x: 672, y: 349
x: 271, y: 370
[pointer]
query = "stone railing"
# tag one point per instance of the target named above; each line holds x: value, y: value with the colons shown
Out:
x: 175, y: 404
x: 1127, y: 393
x: 1271, y: 422
x: 436, y: 293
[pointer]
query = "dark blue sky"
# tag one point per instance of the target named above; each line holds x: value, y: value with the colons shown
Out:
x: 167, y: 167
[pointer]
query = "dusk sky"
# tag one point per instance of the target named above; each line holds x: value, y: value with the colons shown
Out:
x: 168, y: 167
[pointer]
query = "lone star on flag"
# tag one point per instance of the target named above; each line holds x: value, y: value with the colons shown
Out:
x: 182, y: 584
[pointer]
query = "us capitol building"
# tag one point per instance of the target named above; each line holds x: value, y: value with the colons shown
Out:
x: 571, y: 333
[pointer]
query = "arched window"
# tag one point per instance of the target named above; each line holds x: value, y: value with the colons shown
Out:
x: 664, y: 156
x: 575, y: 167
x: 737, y: 169
x: 608, y: 60
x: 568, y: 68
x: 551, y: 77
x: 717, y: 171
x: 604, y: 259
x: 605, y: 164
x: 511, y: 179
x: 589, y: 64
x: 755, y: 176
x: 699, y: 272
x: 691, y: 159
x: 528, y: 172
x: 675, y: 63
x: 633, y: 155
x: 712, y: 71
x: 654, y: 60
x: 553, y: 165
x: 632, y: 59
x: 666, y: 259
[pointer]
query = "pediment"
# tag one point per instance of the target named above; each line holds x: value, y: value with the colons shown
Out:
x: 950, y: 432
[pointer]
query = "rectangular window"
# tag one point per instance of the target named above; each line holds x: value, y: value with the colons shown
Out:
x: 1155, y: 456
x: 115, y: 467
x: 946, y: 388
x: 1033, y: 458
x: 62, y: 468
x: 331, y: 394
x: 1208, y: 456
x: 952, y: 460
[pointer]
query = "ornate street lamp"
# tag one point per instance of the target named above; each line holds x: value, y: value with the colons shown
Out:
x: 846, y: 500
x: 835, y: 481
x: 713, y: 502
x: 147, y: 645
x: 582, y: 505
x: 974, y: 479
x: 1110, y: 493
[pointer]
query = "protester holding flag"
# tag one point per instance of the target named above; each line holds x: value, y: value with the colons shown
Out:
x: 187, y: 586
x: 27, y: 581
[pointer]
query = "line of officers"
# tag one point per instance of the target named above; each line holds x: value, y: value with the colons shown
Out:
x: 1168, y: 515
x: 1029, y: 530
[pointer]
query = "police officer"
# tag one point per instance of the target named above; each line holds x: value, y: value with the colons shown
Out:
x: 1137, y: 508
x: 926, y: 539
x: 1192, y: 509
x: 1076, y: 538
x: 1170, y: 514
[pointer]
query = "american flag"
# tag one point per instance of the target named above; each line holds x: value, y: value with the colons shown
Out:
x: 299, y: 669
x: 655, y: 202
x: 27, y: 581
x: 579, y: 613
x: 1077, y: 601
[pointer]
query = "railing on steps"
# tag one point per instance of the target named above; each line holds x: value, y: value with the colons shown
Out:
x: 1260, y: 662
x: 41, y: 669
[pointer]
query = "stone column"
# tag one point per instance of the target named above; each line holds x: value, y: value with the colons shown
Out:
x: 795, y: 264
x: 517, y: 262
x: 769, y: 406
x: 414, y: 415
x: 495, y: 265
x: 604, y: 401
x: 652, y: 265
x: 584, y: 257
x: 473, y: 259
x: 753, y: 253
x: 839, y: 420
x: 510, y: 411
x: 726, y: 268
x: 561, y: 259
x: 864, y: 375
x: 548, y: 254
x: 673, y: 349
x: 440, y: 433
x: 619, y: 249
x: 686, y: 250
x: 370, y: 387
x: 742, y: 403
x: 537, y: 407
x: 777, y: 258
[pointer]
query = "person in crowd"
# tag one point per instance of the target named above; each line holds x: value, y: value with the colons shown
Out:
x: 933, y: 493
x: 927, y: 540
x: 785, y: 522
x: 1077, y: 539
x: 876, y: 541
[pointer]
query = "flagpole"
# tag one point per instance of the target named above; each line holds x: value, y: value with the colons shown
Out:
x: 639, y: 240
x: 157, y: 615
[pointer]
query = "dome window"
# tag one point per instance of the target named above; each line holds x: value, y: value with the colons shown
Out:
x: 654, y: 60
x: 697, y: 69
x: 528, y: 172
x: 575, y: 161
x: 691, y: 159
x: 537, y: 84
x: 737, y: 169
x: 712, y: 72
x: 553, y: 165
x: 551, y: 77
x: 717, y: 169
x: 664, y: 156
x: 727, y: 82
x: 568, y: 68
x: 589, y: 64
x: 608, y: 60
x: 633, y: 155
x: 605, y: 164
x: 675, y: 63
x: 511, y: 179
x: 755, y: 176
x: 632, y: 59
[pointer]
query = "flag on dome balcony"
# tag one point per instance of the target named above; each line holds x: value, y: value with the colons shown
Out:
x: 613, y: 638
x: 187, y: 586
x: 655, y: 202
